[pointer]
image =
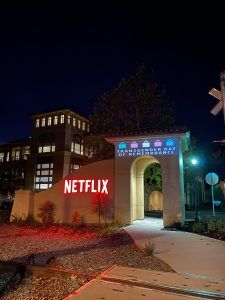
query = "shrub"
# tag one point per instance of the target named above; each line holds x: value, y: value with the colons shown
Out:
x: 76, y: 218
x: 149, y: 248
x: 46, y: 214
x: 198, y: 227
x: 220, y: 225
x: 31, y: 221
x: 18, y: 220
x: 211, y: 226
x: 112, y: 227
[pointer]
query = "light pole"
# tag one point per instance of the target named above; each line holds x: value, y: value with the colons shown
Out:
x: 195, y: 162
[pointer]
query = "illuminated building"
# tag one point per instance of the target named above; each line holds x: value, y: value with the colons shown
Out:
x: 54, y: 149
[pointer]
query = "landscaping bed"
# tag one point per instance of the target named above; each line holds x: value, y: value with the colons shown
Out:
x: 88, y: 250
x: 211, y: 228
x: 214, y: 228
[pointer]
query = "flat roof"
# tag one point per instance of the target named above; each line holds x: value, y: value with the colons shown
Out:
x: 62, y: 110
x: 16, y: 142
x: 153, y: 131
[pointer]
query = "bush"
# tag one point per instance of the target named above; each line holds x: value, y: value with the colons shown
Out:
x: 18, y: 220
x: 46, y: 214
x: 215, y: 225
x: 211, y: 226
x: 149, y: 248
x: 198, y: 227
x: 21, y: 220
x: 31, y: 221
x: 220, y: 225
x: 76, y: 218
x: 111, y: 227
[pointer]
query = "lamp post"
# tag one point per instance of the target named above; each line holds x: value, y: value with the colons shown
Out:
x: 195, y: 163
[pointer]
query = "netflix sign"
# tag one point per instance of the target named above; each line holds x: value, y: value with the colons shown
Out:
x: 86, y: 186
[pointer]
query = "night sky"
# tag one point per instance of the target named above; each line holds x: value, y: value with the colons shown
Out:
x: 55, y: 56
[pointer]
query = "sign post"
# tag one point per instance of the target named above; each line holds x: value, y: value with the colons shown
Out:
x: 219, y: 95
x: 212, y: 179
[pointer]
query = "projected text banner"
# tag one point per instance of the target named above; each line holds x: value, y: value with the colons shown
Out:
x: 139, y: 147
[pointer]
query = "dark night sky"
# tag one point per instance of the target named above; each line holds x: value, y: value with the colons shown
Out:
x: 55, y: 56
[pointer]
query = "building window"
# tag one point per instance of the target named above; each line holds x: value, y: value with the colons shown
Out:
x: 25, y: 152
x: 55, y: 120
x: 43, y: 122
x: 79, y: 124
x: 62, y: 119
x: 77, y: 145
x: 74, y: 167
x: 83, y: 126
x: 43, y: 177
x: 91, y: 151
x: 1, y: 156
x: 88, y: 128
x: 7, y: 155
x: 49, y: 121
x: 37, y: 123
x: 46, y: 148
x: 69, y: 120
x: 16, y: 153
x: 74, y: 122
x: 46, y: 143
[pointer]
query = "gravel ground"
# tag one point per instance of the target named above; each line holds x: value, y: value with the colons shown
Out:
x: 83, y: 251
x: 38, y: 288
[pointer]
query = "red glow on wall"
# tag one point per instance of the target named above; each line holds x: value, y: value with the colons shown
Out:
x: 86, y: 186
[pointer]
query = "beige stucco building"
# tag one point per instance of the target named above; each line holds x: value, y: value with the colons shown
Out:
x: 122, y: 181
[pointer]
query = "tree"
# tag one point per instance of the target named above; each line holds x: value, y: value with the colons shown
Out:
x: 98, y: 148
x: 153, y: 177
x: 135, y: 103
x: 102, y: 205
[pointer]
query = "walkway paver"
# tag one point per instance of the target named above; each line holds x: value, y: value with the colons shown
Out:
x: 132, y: 283
x: 185, y: 252
x: 99, y: 289
x: 151, y: 279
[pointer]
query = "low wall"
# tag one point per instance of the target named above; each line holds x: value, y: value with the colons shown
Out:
x: 23, y: 204
x: 66, y: 204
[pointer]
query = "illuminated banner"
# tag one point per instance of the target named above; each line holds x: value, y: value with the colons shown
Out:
x: 86, y: 186
x: 162, y: 146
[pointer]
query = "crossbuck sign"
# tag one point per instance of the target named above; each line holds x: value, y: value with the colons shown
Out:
x: 219, y: 95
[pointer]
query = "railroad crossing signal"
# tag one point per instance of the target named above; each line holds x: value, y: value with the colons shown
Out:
x: 219, y: 95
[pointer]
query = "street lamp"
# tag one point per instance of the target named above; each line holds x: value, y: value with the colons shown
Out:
x: 194, y: 161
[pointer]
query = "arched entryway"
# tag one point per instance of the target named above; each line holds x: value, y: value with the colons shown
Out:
x: 138, y: 204
x: 153, y: 197
x: 133, y: 154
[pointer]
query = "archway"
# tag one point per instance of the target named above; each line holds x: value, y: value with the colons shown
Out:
x: 137, y: 192
x: 153, y: 197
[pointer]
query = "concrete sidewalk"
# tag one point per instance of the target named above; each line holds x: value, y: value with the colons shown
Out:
x: 130, y: 283
x: 186, y: 253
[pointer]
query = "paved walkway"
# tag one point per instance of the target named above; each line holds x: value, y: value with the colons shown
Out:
x: 186, y: 253
x: 122, y: 283
x: 199, y: 261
